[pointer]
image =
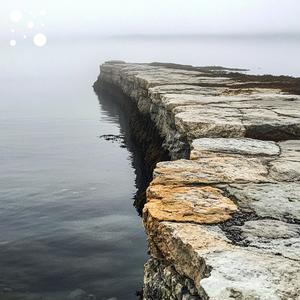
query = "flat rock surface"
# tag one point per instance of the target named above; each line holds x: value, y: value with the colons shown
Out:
x: 249, y: 274
x: 227, y: 176
x: 212, y: 170
x: 188, y: 204
x: 280, y: 201
x: 228, y: 217
x: 211, y: 104
x: 241, y: 146
x: 277, y: 237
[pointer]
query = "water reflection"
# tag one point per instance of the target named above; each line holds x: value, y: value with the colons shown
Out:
x: 68, y: 228
x: 139, y: 136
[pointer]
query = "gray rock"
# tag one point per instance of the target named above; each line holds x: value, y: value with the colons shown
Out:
x: 248, y: 274
x: 273, y: 236
x: 241, y: 146
x: 162, y: 281
x: 200, y: 111
x: 212, y: 113
x: 280, y: 201
x: 288, y: 166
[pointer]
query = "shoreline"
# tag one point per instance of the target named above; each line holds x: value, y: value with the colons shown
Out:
x: 225, y: 209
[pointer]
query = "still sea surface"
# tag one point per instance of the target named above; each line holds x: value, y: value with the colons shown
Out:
x: 68, y: 227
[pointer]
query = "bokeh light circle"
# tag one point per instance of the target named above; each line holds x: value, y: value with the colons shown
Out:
x: 12, y: 43
x: 40, y: 40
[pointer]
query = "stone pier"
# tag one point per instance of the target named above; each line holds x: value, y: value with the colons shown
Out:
x: 223, y: 216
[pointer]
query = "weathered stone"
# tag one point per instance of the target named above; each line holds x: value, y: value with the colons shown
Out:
x: 197, y: 110
x: 273, y: 236
x: 181, y: 243
x: 248, y: 274
x: 188, y: 204
x: 162, y: 281
x: 202, y: 121
x: 288, y: 166
x: 290, y: 150
x: 221, y: 270
x: 280, y: 201
x: 211, y: 170
x: 240, y: 146
x: 251, y: 186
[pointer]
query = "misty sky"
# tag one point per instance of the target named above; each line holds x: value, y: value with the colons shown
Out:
x: 118, y: 17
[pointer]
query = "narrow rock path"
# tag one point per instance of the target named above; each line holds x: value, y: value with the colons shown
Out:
x: 223, y: 217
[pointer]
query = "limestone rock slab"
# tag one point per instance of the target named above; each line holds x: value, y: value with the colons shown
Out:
x: 188, y: 204
x: 243, y: 274
x: 279, y: 201
x: 241, y: 146
x: 213, y: 170
x: 277, y: 237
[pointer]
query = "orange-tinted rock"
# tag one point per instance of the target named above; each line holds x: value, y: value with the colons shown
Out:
x: 203, y: 205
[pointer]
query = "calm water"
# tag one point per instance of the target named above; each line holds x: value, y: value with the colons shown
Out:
x: 66, y: 216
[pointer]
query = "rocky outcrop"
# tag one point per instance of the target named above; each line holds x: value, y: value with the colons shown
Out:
x: 255, y: 253
x: 222, y: 218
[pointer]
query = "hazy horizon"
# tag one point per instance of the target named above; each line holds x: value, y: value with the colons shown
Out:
x: 260, y: 35
x: 67, y: 18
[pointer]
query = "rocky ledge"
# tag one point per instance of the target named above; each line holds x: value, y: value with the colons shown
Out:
x: 223, y: 216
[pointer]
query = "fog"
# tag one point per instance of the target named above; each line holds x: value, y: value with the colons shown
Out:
x: 155, y: 17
